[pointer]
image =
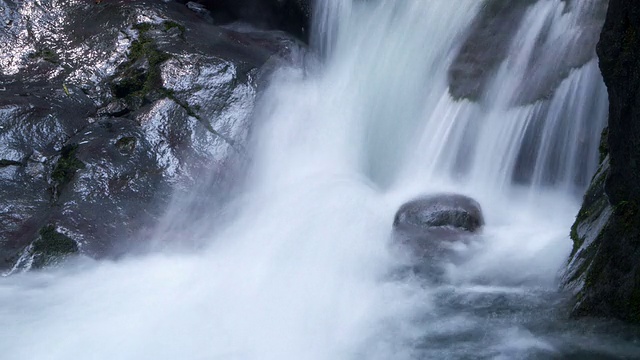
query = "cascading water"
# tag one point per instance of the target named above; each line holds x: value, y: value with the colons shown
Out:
x: 305, y: 270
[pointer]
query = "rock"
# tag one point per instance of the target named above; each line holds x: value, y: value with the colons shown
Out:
x: 292, y: 16
x: 604, y: 269
x: 128, y: 103
x: 486, y: 46
x: 440, y: 211
x: 430, y: 228
x: 429, y: 225
x: 490, y: 37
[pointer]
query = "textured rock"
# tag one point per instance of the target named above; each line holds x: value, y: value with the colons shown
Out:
x: 429, y: 224
x: 490, y: 37
x: 604, y: 271
x: 292, y: 16
x: 107, y: 109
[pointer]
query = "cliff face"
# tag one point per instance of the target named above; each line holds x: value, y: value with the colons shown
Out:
x: 604, y: 269
x: 107, y: 109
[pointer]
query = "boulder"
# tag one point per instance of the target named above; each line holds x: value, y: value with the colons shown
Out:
x: 429, y: 228
x: 439, y: 212
x: 108, y: 109
x: 603, y: 272
x: 292, y: 16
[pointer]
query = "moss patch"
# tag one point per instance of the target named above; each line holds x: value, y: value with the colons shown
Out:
x: 65, y: 169
x: 604, y: 144
x: 46, y: 54
x: 126, y: 145
x: 136, y: 79
x: 67, y: 165
x: 51, y: 247
x: 169, y: 25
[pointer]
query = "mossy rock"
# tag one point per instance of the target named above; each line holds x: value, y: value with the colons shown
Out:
x: 51, y: 247
x: 139, y: 77
x: 66, y: 167
x: 126, y: 145
x: 46, y: 54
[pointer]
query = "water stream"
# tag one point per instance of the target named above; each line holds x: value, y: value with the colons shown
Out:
x: 306, y: 268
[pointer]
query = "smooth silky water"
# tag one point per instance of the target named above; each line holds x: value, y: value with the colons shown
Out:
x: 305, y: 266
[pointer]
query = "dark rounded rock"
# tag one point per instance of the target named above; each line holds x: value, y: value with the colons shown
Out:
x: 439, y: 212
x: 430, y: 227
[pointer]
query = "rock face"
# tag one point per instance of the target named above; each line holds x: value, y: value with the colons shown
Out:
x: 604, y: 269
x: 292, y: 16
x: 107, y: 108
x: 431, y: 221
x: 490, y: 37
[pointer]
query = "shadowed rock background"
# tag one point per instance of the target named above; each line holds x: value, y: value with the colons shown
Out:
x: 604, y: 270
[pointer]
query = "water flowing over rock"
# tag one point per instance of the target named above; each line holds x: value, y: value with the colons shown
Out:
x: 107, y: 108
x: 604, y: 270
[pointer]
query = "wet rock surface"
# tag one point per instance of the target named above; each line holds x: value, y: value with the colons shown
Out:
x: 292, y: 16
x: 431, y: 223
x: 107, y: 108
x: 604, y: 270
x: 491, y: 36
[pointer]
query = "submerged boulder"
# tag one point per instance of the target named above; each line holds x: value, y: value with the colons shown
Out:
x: 453, y: 212
x: 431, y: 227
x: 430, y: 224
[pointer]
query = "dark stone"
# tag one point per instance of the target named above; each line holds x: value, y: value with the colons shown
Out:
x: 604, y: 271
x: 485, y: 47
x: 441, y: 211
x: 97, y: 139
x: 292, y: 16
x: 51, y: 247
x: 429, y: 228
x: 490, y: 37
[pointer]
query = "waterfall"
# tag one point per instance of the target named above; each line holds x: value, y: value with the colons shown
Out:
x: 305, y: 269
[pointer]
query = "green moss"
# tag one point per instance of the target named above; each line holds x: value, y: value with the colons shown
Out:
x: 46, y: 54
x: 67, y: 165
x: 51, y: 246
x: 143, y: 27
x: 136, y: 81
x: 126, y: 145
x: 626, y: 213
x: 604, y: 144
x: 168, y: 25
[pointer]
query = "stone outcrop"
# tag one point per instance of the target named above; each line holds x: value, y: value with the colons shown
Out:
x: 292, y: 16
x: 107, y: 109
x: 604, y: 269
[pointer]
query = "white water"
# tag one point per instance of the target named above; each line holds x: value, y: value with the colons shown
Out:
x: 306, y: 270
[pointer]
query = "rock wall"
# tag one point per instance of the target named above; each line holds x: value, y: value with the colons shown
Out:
x: 604, y: 269
x: 107, y: 108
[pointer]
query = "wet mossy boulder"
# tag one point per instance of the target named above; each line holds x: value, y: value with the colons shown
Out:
x: 111, y: 110
x: 51, y: 247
